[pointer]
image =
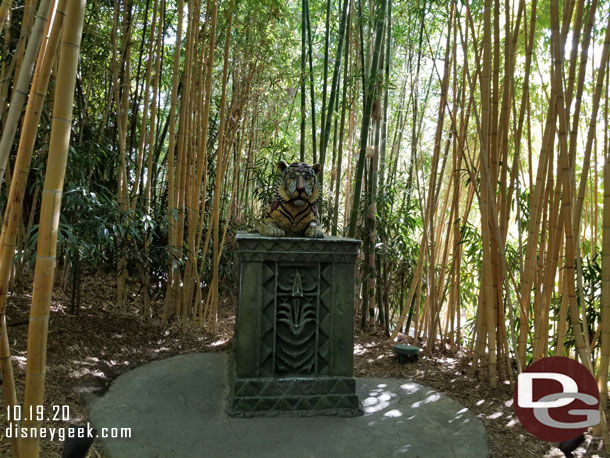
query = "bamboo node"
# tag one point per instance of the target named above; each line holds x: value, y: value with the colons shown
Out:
x: 56, y: 118
x: 70, y: 43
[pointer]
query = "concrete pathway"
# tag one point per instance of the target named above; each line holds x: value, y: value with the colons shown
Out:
x: 175, y: 409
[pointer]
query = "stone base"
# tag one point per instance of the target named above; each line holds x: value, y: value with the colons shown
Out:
x: 294, y: 332
x: 271, y: 397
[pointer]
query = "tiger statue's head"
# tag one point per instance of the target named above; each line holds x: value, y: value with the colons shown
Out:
x: 298, y: 183
x: 294, y: 212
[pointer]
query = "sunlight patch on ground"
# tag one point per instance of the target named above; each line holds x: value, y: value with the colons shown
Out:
x: 87, y: 389
x: 360, y: 349
x: 494, y: 415
x: 372, y: 405
x: 447, y: 362
x: 217, y: 343
x: 482, y: 401
x: 85, y: 371
x: 458, y: 415
x: 410, y: 388
x: 378, y: 399
x: 55, y: 305
x: 21, y: 361
x: 431, y: 398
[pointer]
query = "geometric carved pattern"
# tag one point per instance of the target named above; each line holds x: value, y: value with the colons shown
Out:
x: 294, y: 347
x: 324, y: 319
x: 296, y: 319
x: 271, y: 397
x: 254, y: 248
x: 268, y: 320
x: 297, y: 312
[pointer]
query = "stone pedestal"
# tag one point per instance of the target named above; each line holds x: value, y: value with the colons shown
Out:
x: 294, y: 333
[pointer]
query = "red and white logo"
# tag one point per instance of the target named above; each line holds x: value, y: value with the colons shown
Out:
x: 556, y: 399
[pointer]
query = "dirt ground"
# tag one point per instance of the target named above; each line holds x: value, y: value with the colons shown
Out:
x: 87, y: 352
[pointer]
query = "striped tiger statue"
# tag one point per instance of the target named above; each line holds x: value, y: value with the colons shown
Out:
x: 293, y: 211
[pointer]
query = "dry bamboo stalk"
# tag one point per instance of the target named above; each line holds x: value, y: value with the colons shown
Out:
x: 562, y: 324
x: 13, y: 211
x: 5, y: 8
x: 442, y: 249
x: 536, y: 198
x: 458, y: 145
x: 495, y: 231
x: 549, y: 219
x: 113, y: 63
x: 188, y: 141
x: 6, y: 69
x: 550, y: 271
x: 21, y: 87
x: 582, y: 344
x: 151, y: 147
x: 49, y: 218
x: 38, y: 91
x: 576, y: 32
x: 351, y: 132
x: 504, y: 122
x: 434, y: 191
x: 605, y: 274
x: 122, y: 118
x: 171, y: 171
x: 479, y: 363
x: 486, y: 271
x: 146, y: 95
x: 605, y: 58
x: 183, y: 157
x: 196, y: 217
x: 210, y: 309
x: 414, y: 285
x: 231, y: 129
x: 492, y: 146
x: 24, y: 32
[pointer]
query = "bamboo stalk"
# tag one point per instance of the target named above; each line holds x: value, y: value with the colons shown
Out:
x: 13, y: 212
x: 211, y: 307
x: 5, y: 8
x: 605, y: 273
x: 20, y: 90
x: 582, y: 344
x: 172, y: 269
x: 49, y: 218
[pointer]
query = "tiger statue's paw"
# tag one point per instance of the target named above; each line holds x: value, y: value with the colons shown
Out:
x: 314, y: 232
x: 271, y: 230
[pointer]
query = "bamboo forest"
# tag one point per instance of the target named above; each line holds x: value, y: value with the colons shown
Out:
x: 462, y: 147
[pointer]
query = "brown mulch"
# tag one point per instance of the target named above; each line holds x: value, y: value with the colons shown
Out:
x: 87, y: 352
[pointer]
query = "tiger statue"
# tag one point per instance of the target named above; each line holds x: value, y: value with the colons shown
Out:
x: 293, y: 212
